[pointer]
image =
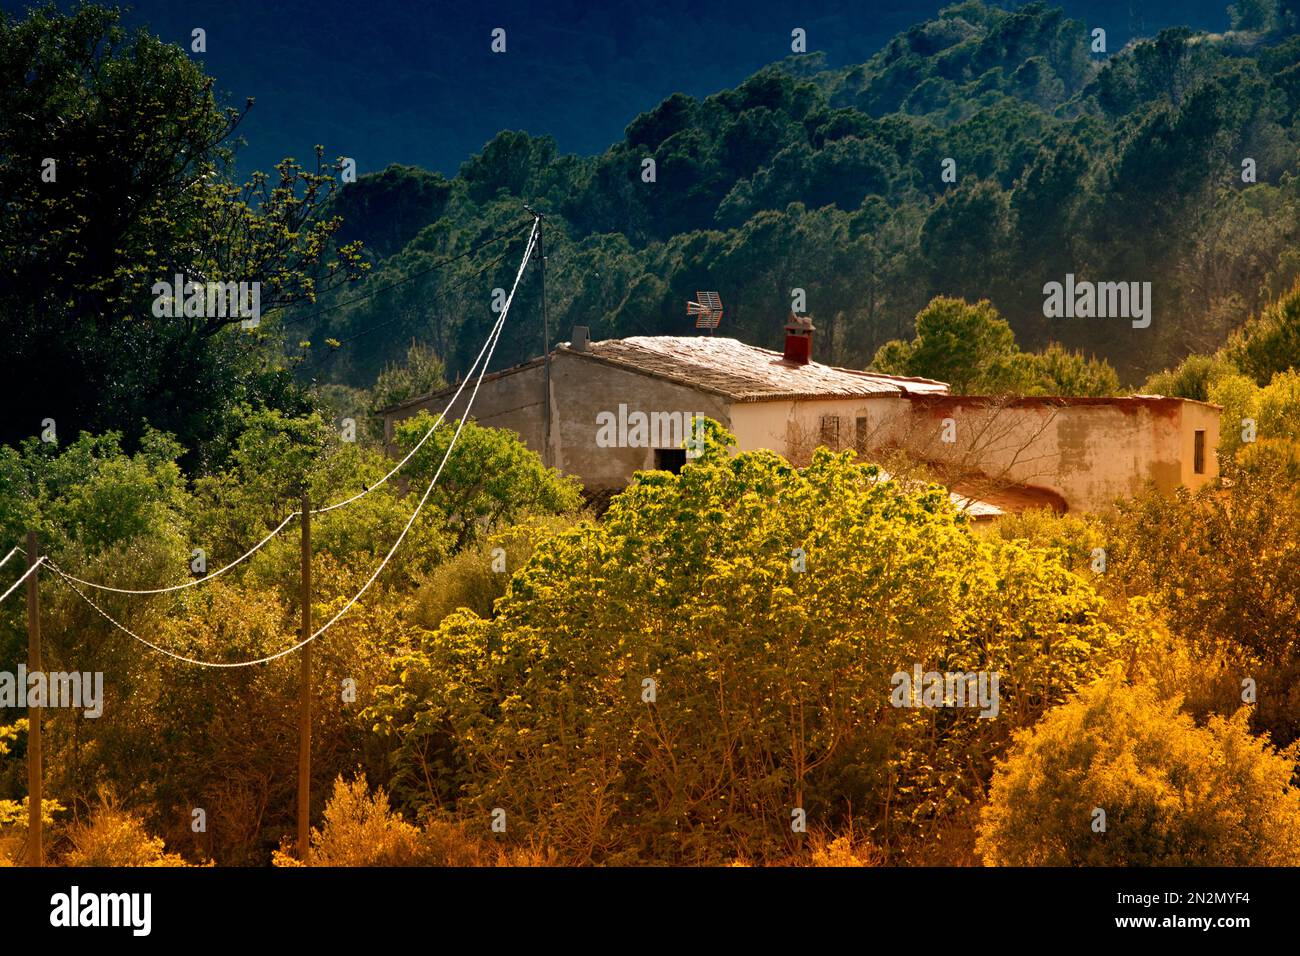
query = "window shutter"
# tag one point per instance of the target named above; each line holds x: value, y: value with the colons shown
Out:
x: 831, y: 431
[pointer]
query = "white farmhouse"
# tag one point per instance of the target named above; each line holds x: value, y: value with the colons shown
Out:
x: 605, y: 410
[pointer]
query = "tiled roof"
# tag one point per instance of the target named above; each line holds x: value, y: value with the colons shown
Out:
x: 745, y: 373
x: 985, y: 500
x: 427, y: 397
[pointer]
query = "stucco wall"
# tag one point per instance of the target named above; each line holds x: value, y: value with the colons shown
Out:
x: 583, y: 388
x: 512, y: 401
x: 794, y: 428
x: 1206, y: 417
x: 1088, y: 451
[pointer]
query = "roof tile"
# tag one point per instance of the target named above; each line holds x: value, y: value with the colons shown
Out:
x: 746, y: 373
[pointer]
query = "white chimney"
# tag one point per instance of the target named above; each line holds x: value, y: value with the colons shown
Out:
x: 581, y: 338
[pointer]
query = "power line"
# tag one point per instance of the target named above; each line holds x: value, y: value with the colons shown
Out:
x: 441, y: 415
x: 13, y: 587
x: 494, y: 337
x: 197, y: 581
x: 491, y: 341
x: 323, y: 510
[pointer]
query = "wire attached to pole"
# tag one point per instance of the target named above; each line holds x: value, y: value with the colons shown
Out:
x: 494, y: 337
x: 26, y: 574
x: 322, y: 510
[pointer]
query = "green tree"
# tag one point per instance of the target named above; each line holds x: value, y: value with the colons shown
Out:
x: 1254, y: 15
x: 422, y: 372
x: 490, y: 478
x: 1192, y: 378
x: 1270, y: 341
x: 138, y: 193
x: 1058, y: 371
x: 769, y: 686
x: 385, y: 210
x: 968, y: 346
x: 965, y: 238
x: 1239, y: 398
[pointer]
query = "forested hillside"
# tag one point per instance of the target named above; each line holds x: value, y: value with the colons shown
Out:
x: 1118, y: 166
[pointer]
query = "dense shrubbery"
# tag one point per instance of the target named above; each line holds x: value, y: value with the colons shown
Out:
x: 1223, y: 568
x: 771, y: 685
x: 526, y: 689
x: 1173, y: 793
x: 671, y: 683
x: 360, y: 829
x: 479, y: 575
x: 173, y: 737
x: 1217, y: 568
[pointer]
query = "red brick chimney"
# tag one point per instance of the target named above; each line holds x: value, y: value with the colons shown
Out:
x: 798, y: 339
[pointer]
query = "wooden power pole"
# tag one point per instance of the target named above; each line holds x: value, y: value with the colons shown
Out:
x: 546, y: 348
x: 35, y: 855
x: 304, y: 702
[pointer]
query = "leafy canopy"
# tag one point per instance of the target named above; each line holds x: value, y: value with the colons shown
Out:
x: 973, y: 349
x: 771, y: 685
x: 139, y: 191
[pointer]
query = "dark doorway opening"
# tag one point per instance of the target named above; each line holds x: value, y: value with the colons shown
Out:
x: 670, y: 459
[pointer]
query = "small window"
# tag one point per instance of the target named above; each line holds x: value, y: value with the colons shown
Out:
x: 670, y: 459
x: 860, y: 435
x: 831, y: 431
x: 1198, y: 451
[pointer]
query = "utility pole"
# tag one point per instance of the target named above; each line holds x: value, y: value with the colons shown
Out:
x: 546, y: 343
x: 541, y: 260
x: 304, y: 691
x: 35, y: 856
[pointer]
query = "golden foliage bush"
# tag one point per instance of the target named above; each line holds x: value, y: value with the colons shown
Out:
x: 770, y: 684
x: 470, y: 579
x: 1222, y: 567
x: 114, y: 837
x: 13, y: 826
x: 844, y: 851
x: 1211, y: 577
x: 1173, y: 793
x: 361, y: 829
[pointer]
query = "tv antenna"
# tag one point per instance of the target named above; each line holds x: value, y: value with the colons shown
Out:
x: 707, y: 310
